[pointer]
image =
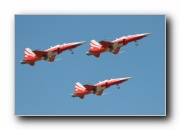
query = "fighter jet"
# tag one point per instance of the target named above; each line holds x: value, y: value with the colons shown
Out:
x: 96, y: 48
x: 30, y: 57
x: 97, y: 89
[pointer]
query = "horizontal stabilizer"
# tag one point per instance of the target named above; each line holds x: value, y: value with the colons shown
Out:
x: 31, y: 63
x: 82, y: 97
x: 96, y: 55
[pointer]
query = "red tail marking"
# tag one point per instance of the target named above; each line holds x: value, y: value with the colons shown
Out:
x: 93, y: 43
x: 28, y: 54
x: 78, y: 88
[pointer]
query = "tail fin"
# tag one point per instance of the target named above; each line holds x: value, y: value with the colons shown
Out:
x: 28, y: 54
x: 78, y: 91
x: 95, y: 44
x: 79, y: 88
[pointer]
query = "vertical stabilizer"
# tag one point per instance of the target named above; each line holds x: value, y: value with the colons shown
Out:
x: 28, y: 54
x: 79, y: 88
x: 78, y: 91
x: 94, y: 44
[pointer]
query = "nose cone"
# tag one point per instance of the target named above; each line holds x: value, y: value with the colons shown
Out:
x: 125, y: 78
x: 144, y: 34
x: 137, y: 37
x: 81, y: 42
x: 78, y: 43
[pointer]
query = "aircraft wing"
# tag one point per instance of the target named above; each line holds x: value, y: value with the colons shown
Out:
x: 116, y: 51
x: 100, y: 92
x: 89, y: 87
x: 51, y: 59
x: 39, y: 53
x: 105, y: 43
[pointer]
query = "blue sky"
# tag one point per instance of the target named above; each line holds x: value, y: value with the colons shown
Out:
x: 46, y: 88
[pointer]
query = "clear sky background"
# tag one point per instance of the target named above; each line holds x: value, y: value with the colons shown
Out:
x: 46, y: 88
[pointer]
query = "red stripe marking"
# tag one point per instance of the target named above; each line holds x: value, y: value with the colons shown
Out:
x: 29, y: 53
x: 79, y: 87
x: 93, y: 44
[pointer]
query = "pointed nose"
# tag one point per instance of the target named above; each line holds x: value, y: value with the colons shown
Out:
x: 82, y: 42
x: 144, y: 34
x: 136, y: 37
x: 79, y: 43
x: 127, y: 78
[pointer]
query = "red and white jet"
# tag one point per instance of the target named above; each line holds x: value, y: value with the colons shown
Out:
x: 82, y: 90
x: 114, y: 46
x: 30, y: 57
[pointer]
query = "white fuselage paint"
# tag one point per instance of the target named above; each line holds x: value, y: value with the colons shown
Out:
x: 115, y: 46
x: 99, y: 88
x: 50, y: 54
